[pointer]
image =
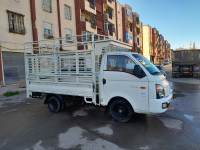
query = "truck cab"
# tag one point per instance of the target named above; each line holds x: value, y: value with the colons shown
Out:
x: 130, y: 77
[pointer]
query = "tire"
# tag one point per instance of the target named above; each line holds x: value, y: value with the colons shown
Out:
x: 173, y: 75
x: 54, y: 104
x: 121, y: 110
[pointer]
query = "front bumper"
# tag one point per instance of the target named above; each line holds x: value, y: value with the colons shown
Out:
x: 157, y: 106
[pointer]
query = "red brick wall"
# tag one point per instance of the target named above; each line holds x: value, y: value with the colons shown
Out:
x: 124, y: 25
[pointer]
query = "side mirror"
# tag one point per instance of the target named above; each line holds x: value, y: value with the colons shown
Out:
x: 138, y: 72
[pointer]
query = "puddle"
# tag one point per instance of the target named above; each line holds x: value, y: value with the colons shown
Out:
x: 38, y: 146
x: 74, y: 138
x: 176, y: 91
x: 105, y: 130
x: 172, y: 123
x: 80, y: 113
x: 145, y: 148
x: 189, y: 117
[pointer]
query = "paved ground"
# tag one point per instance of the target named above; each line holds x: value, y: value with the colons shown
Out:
x: 27, y: 124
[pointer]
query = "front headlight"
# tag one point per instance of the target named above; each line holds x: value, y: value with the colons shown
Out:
x: 160, y: 92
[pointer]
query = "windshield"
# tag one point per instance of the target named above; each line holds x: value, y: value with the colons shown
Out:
x: 159, y: 67
x: 147, y: 64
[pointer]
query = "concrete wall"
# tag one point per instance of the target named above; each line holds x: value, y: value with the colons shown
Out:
x: 13, y: 41
x: 146, y: 41
x: 43, y: 16
x: 68, y: 24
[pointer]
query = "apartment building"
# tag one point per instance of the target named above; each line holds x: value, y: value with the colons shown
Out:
x: 30, y: 20
x: 167, y: 48
x: 155, y: 47
x: 137, y: 34
x: 161, y: 51
x: 155, y: 40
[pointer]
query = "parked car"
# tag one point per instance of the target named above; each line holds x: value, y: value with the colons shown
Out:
x: 166, y: 62
x: 161, y: 70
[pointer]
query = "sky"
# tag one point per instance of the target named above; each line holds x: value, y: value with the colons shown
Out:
x: 177, y: 20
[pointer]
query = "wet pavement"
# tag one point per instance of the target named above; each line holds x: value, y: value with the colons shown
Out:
x: 27, y: 124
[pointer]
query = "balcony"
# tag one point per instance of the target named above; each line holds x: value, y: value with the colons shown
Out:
x: 110, y: 13
x: 90, y: 6
x: 90, y: 21
x: 90, y: 28
x: 129, y: 18
x: 110, y: 3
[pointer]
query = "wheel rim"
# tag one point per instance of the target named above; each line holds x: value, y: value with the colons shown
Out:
x: 120, y: 111
x: 53, y: 104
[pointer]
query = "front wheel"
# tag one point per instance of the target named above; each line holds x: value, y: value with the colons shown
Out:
x: 54, y: 104
x: 121, y: 110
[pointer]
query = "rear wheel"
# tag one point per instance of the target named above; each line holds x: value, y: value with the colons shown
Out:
x: 173, y: 75
x: 54, y: 104
x: 121, y: 110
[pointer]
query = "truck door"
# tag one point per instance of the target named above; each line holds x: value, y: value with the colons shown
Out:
x: 118, y: 80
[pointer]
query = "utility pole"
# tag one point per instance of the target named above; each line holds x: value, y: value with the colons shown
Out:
x: 1, y: 69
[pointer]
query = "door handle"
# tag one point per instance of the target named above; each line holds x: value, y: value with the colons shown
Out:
x: 104, y: 81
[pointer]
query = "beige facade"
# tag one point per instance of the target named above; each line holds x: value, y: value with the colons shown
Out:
x: 13, y: 41
x: 147, y: 42
x: 46, y: 19
x: 13, y: 37
x: 67, y: 25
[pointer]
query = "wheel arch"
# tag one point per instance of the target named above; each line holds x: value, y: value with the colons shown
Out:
x: 118, y: 97
x: 50, y: 94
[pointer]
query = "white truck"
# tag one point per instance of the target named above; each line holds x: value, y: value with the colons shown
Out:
x: 95, y: 69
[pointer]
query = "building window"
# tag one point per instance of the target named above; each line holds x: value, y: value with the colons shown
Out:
x: 137, y: 20
x: 86, y: 36
x: 131, y: 27
x: 110, y: 12
x: 138, y: 41
x: 48, y: 33
x: 16, y: 22
x: 128, y: 12
x: 111, y: 28
x: 92, y: 3
x: 106, y: 25
x: 68, y: 33
x: 67, y: 12
x: 47, y: 5
x: 111, y: 1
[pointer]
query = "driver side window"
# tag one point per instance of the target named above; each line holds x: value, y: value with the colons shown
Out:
x: 120, y: 63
